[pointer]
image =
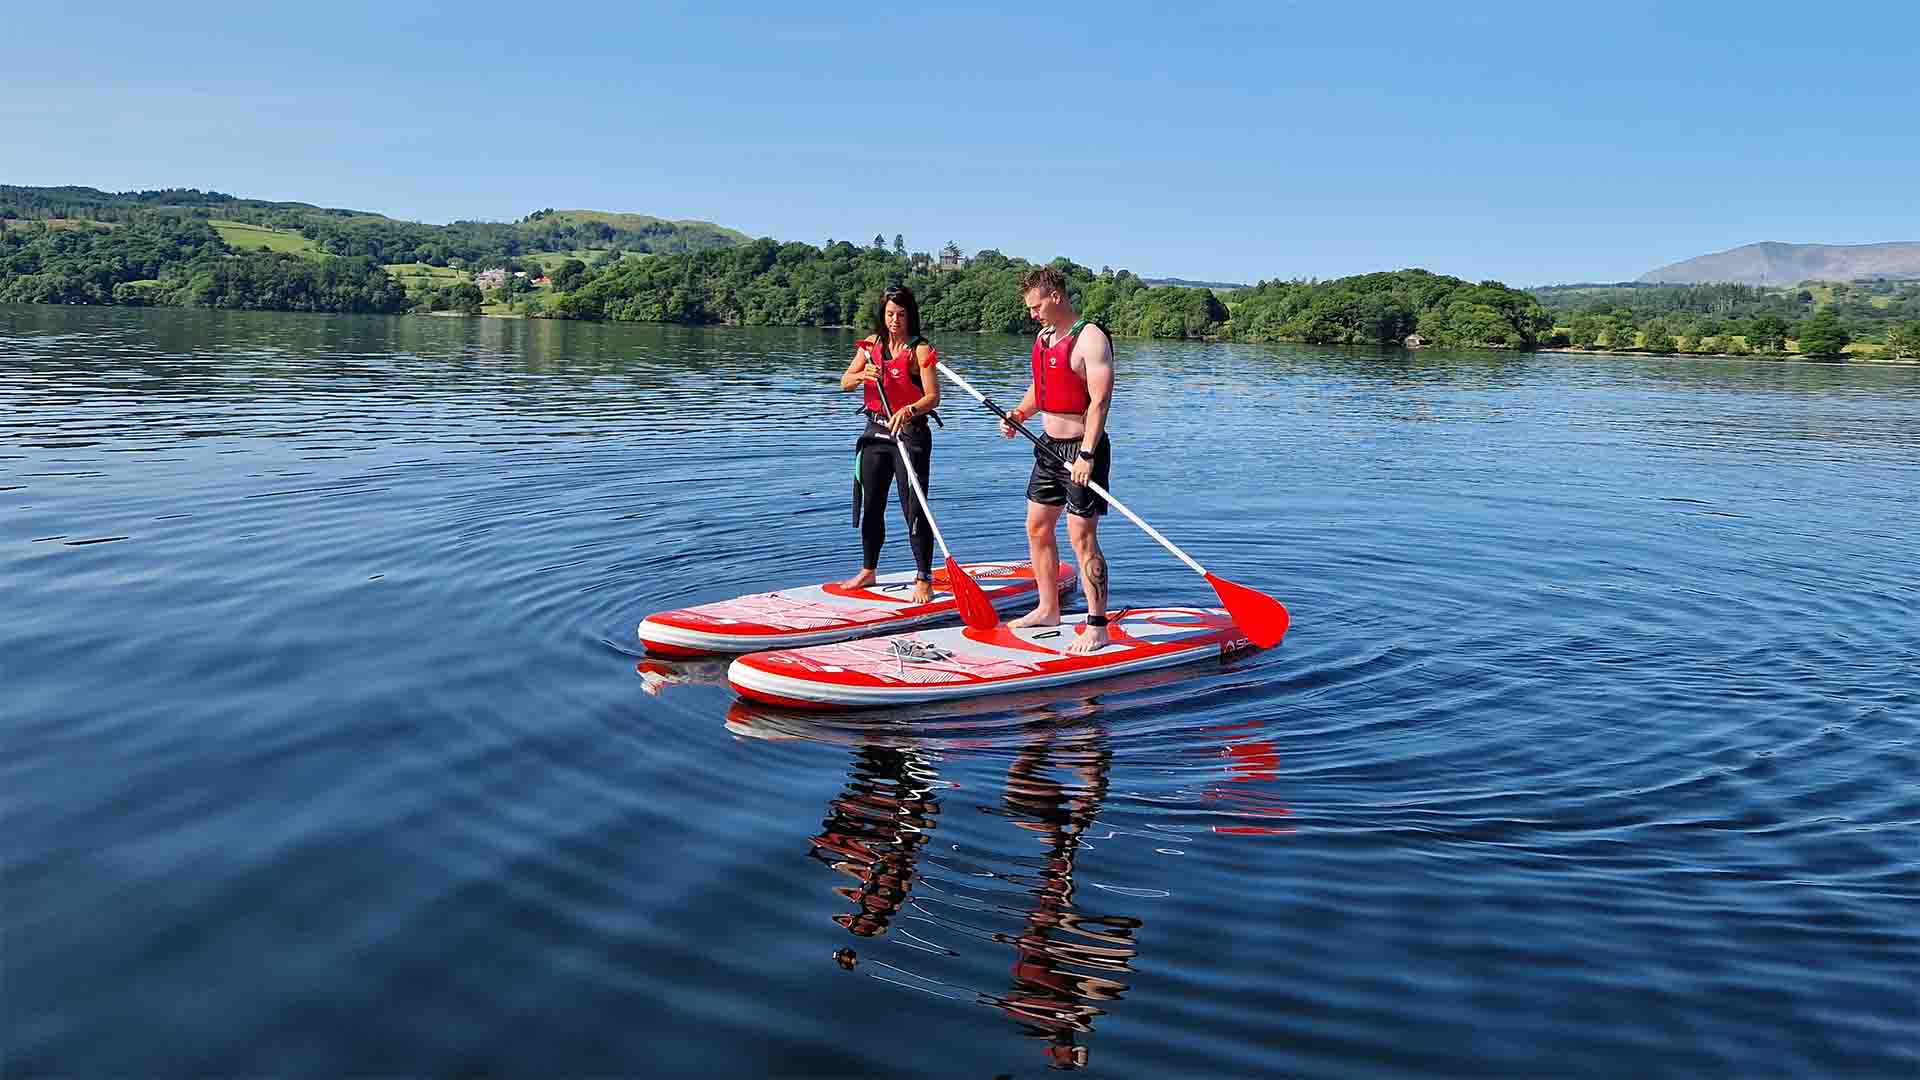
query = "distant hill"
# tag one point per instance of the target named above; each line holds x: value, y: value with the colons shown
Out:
x: 361, y: 232
x: 563, y: 230
x: 1789, y: 264
x: 1187, y: 283
x: 69, y: 201
x: 638, y: 222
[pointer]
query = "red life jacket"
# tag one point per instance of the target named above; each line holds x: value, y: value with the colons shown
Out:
x: 1057, y: 387
x: 900, y: 374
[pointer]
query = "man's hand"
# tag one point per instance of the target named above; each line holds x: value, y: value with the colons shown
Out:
x: 1081, y: 472
x: 1007, y: 430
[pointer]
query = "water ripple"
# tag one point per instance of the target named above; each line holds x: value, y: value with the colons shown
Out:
x: 330, y: 748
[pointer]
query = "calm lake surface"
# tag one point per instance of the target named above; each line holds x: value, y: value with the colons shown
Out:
x: 327, y: 747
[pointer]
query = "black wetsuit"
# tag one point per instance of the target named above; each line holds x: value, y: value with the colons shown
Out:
x: 875, y: 466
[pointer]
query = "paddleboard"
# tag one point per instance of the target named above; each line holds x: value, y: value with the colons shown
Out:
x: 816, y: 614
x: 951, y: 663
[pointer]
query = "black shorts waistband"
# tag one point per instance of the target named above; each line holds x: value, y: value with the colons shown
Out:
x: 1073, y: 440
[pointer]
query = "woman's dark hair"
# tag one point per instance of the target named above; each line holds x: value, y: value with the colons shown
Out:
x: 898, y: 294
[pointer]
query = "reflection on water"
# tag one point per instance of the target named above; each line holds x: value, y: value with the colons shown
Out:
x: 1068, y: 963
x: 1014, y: 890
x: 874, y: 834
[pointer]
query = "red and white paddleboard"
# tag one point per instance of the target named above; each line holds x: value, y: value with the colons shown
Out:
x: 955, y: 662
x: 815, y: 614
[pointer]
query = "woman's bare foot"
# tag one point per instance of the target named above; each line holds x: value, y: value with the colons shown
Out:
x: 1038, y: 617
x: 860, y: 580
x: 922, y: 591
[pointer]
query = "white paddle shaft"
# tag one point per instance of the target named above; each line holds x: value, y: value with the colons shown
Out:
x: 1097, y: 489
x: 913, y: 481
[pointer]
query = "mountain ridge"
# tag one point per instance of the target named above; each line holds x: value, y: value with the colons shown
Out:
x: 1773, y: 262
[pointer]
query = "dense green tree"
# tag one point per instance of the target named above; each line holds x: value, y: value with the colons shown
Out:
x: 1655, y: 337
x: 1823, y: 335
x: 1767, y: 333
x: 1384, y: 308
x: 1904, y: 339
x: 567, y: 275
x: 465, y: 297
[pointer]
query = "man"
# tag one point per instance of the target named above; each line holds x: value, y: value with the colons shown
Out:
x: 1073, y: 388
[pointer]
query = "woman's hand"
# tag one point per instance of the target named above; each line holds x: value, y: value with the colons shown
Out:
x: 900, y: 419
x: 861, y: 369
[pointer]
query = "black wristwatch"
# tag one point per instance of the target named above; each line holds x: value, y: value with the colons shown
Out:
x: 1085, y: 455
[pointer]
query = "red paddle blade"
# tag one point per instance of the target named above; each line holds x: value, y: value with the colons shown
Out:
x: 1262, y: 618
x: 975, y: 609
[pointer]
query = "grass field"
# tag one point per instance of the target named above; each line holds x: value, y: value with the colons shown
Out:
x: 244, y: 237
x: 551, y: 260
x: 61, y: 223
x: 436, y: 275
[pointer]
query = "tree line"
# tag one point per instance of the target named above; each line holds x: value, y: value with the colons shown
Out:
x: 1822, y: 319
x: 167, y: 260
x: 81, y: 245
x: 765, y: 283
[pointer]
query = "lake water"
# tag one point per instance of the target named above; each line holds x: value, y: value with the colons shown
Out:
x: 328, y: 747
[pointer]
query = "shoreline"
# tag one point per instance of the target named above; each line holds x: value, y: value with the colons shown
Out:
x: 1847, y: 358
x: 1802, y: 358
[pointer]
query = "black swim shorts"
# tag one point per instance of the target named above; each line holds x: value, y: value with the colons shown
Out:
x: 1052, y: 485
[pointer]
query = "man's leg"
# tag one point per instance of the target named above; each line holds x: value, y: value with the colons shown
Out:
x: 1044, y: 549
x: 1084, y: 534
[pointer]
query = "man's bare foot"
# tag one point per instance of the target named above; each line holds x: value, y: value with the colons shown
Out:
x: 1089, y: 639
x: 922, y: 591
x: 1037, y: 617
x: 860, y: 580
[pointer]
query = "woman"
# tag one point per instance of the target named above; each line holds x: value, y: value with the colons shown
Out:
x: 895, y: 368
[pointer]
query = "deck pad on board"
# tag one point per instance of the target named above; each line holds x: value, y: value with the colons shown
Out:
x: 955, y: 662
x: 815, y: 614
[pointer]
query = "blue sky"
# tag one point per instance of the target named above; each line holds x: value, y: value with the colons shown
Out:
x: 1532, y: 143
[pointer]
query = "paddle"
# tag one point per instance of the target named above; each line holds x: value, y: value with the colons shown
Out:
x: 975, y: 609
x: 1261, y: 617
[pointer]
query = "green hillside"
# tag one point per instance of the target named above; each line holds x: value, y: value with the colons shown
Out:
x: 244, y: 237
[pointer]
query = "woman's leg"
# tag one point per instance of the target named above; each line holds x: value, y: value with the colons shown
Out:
x: 876, y: 474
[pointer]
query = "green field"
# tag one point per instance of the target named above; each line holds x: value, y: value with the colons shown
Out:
x: 550, y: 260
x: 60, y: 223
x: 241, y: 236
x: 410, y: 273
